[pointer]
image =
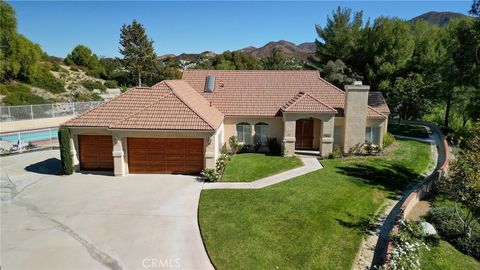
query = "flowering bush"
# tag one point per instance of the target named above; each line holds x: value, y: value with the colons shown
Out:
x: 210, y: 175
x: 407, y: 245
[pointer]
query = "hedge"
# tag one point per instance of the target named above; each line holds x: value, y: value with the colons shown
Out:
x: 65, y: 150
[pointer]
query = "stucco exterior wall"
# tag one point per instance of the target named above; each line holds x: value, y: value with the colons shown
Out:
x: 120, y: 147
x: 275, y: 126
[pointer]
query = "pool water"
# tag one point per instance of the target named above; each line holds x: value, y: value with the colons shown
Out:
x: 31, y: 136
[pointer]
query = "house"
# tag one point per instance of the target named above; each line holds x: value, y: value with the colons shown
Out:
x: 180, y: 126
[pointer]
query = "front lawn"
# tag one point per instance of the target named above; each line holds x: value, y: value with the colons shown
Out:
x: 408, y: 130
x: 315, y: 221
x: 446, y: 257
x: 254, y: 166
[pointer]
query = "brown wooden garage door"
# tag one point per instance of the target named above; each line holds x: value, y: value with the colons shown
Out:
x: 165, y: 155
x: 95, y: 152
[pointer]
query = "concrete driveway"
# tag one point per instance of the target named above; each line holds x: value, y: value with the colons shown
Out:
x: 91, y: 221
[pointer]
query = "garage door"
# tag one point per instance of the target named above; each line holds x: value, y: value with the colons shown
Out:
x: 95, y: 152
x: 165, y: 155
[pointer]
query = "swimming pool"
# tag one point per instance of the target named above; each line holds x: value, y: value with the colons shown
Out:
x: 27, y: 136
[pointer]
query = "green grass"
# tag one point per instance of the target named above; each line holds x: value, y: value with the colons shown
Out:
x: 250, y: 167
x: 315, y: 221
x: 446, y: 257
x: 408, y: 130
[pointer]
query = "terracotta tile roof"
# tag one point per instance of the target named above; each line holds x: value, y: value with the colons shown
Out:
x: 170, y: 105
x: 264, y: 93
x: 304, y: 102
x: 376, y: 101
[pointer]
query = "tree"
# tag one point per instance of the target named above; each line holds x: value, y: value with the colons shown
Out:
x: 8, y: 33
x: 83, y: 56
x: 460, y: 67
x: 408, y: 98
x: 338, y: 74
x: 462, y: 184
x: 231, y: 61
x: 137, y: 50
x: 390, y: 48
x: 277, y: 61
x: 339, y: 39
x: 475, y: 9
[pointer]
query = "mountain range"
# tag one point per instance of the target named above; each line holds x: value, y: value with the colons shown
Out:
x: 304, y: 50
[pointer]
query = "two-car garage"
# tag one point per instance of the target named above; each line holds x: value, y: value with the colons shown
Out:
x: 145, y: 155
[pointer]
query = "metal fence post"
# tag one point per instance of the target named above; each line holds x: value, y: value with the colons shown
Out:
x: 73, y: 108
x: 31, y: 110
x: 53, y: 111
x: 9, y: 114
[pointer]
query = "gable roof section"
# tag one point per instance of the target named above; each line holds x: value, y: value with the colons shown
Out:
x: 377, y: 102
x: 264, y: 93
x: 167, y: 106
x: 304, y: 102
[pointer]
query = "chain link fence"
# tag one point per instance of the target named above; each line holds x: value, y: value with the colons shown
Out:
x: 31, y: 112
x: 22, y: 141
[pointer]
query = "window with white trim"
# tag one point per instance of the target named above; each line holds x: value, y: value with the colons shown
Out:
x: 244, y: 132
x: 261, y: 133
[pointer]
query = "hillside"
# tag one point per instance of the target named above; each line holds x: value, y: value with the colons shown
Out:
x: 289, y: 49
x: 438, y: 18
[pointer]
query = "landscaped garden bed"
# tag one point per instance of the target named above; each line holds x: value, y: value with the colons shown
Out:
x: 312, y: 221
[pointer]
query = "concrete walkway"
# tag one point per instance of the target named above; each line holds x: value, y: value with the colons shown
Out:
x: 310, y: 164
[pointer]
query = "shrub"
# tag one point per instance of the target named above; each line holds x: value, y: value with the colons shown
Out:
x: 449, y: 222
x: 91, y: 85
x: 245, y: 148
x: 19, y: 94
x: 65, y: 150
x: 235, y: 146
x: 274, y: 146
x: 388, y: 139
x: 337, y: 151
x: 43, y: 78
x: 86, y: 96
x: 365, y: 149
x: 111, y: 84
x: 222, y: 163
x: 210, y: 175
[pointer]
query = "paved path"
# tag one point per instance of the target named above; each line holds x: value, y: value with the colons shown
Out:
x: 310, y: 164
x: 93, y: 221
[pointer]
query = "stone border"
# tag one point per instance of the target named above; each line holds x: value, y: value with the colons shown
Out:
x: 422, y: 189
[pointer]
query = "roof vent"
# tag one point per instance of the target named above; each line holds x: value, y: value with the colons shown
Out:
x: 210, y: 84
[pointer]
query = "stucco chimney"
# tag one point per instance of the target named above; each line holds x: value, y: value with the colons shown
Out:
x: 355, y: 113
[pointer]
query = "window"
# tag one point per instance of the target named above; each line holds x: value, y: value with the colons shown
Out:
x: 371, y: 135
x: 261, y: 133
x: 244, y: 132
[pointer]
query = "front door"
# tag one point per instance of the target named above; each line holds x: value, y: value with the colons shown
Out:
x: 304, y: 134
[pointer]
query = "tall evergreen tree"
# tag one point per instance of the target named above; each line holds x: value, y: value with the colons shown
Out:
x: 137, y: 50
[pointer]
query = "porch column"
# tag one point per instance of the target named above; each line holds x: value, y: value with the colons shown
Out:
x: 289, y: 137
x: 119, y: 167
x: 326, y: 145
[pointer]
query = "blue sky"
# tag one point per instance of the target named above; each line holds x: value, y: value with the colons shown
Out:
x: 194, y: 27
